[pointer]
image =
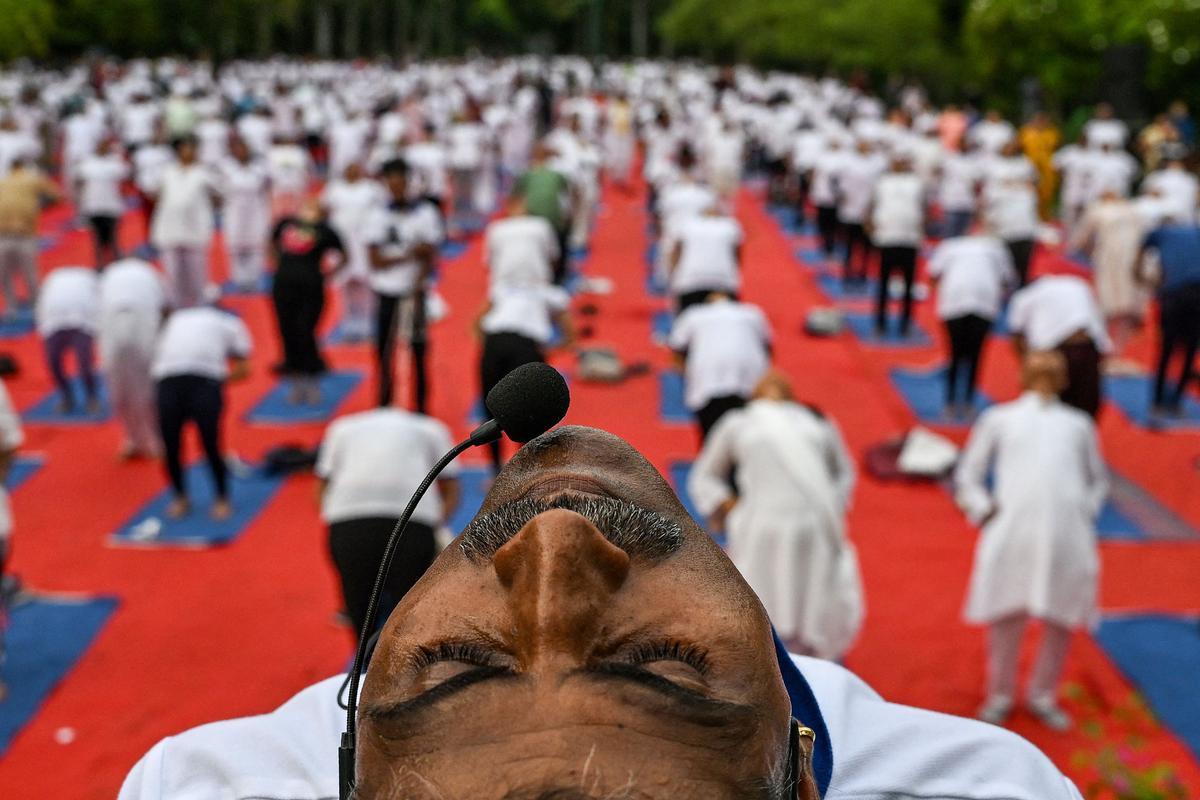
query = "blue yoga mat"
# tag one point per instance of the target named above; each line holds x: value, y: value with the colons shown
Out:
x: 274, y: 407
x: 836, y: 289
x: 46, y: 411
x: 862, y: 325
x: 473, y: 483
x: 337, y: 335
x: 22, y: 469
x: 661, y: 324
x: 1133, y: 395
x: 1160, y: 655
x: 1133, y: 514
x: 18, y: 324
x: 45, y: 637
x: 678, y: 475
x: 670, y: 398
x: 924, y: 390
x: 231, y: 289
x: 149, y: 527
x: 452, y: 249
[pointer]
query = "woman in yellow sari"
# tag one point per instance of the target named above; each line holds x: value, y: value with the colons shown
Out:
x: 1039, y: 139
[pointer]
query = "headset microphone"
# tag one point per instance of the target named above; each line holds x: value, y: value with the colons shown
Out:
x: 526, y: 403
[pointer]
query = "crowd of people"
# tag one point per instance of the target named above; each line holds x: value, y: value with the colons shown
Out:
x: 353, y: 177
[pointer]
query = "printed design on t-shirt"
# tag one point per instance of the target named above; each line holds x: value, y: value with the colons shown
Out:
x: 298, y: 240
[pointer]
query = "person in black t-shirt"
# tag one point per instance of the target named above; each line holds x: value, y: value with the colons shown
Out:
x: 301, y: 244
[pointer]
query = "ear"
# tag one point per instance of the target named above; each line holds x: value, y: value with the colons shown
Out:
x: 802, y: 741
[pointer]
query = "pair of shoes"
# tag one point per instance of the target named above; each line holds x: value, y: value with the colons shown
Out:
x: 1050, y: 714
x: 995, y: 710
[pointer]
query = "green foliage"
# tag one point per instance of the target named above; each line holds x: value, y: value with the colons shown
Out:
x: 26, y: 28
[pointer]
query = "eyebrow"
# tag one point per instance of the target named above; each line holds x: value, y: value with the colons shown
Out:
x: 685, y: 703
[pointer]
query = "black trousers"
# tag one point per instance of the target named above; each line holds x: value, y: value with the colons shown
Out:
x: 827, y: 227
x: 1084, y: 390
x: 904, y: 261
x: 502, y: 353
x: 714, y: 409
x: 858, y: 252
x: 104, y: 237
x: 695, y: 298
x: 1021, y: 251
x: 1179, y: 331
x: 562, y: 266
x: 385, y: 350
x: 356, y: 546
x: 298, y: 307
x: 199, y: 400
x: 967, y: 335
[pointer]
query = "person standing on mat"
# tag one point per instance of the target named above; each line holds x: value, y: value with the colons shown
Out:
x: 183, y: 226
x: 67, y: 313
x: 1010, y: 207
x: 706, y: 257
x: 897, y: 224
x: 200, y: 350
x: 132, y: 302
x: 246, y: 189
x: 971, y: 274
x: 787, y: 520
x: 1059, y: 312
x: 1037, y: 557
x: 369, y: 464
x: 547, y: 194
x: 98, y: 180
x: 11, y: 437
x: 520, y: 248
x: 516, y: 325
x: 823, y: 190
x: 1178, y: 287
x: 402, y: 242
x: 22, y: 192
x: 855, y: 186
x: 724, y: 347
x: 302, y: 245
x: 349, y: 200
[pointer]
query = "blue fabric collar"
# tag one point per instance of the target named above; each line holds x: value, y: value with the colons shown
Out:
x: 805, y: 709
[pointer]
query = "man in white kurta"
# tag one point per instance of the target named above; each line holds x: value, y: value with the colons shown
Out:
x: 786, y: 524
x: 246, y: 189
x: 1037, y: 557
x: 132, y: 301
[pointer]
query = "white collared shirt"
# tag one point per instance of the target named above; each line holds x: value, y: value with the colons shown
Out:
x: 973, y: 272
x: 200, y: 341
x: 394, y: 230
x: 726, y: 344
x: 1053, y: 308
x: 69, y: 299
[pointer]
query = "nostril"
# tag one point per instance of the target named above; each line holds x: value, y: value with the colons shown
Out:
x: 563, y: 545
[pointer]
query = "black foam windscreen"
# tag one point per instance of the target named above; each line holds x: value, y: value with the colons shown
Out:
x: 529, y: 401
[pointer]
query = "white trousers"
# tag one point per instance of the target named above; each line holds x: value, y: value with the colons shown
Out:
x: 1004, y: 651
x: 247, y: 263
x: 126, y: 340
x: 187, y: 273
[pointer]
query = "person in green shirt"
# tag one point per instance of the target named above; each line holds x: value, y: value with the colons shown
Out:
x: 546, y: 193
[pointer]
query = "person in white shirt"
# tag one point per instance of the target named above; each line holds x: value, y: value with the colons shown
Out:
x: 1072, y: 163
x: 468, y: 147
x: 516, y: 326
x: 255, y: 130
x: 1109, y: 170
x: 1104, y: 130
x: 706, y: 257
x: 139, y: 121
x: 11, y: 438
x: 1111, y: 234
x: 348, y: 142
x: 619, y: 139
x: 585, y: 591
x: 972, y: 274
x: 200, y: 349
x: 183, y: 225
x: 786, y: 522
x: 1037, y: 557
x: 520, y: 249
x: 855, y: 187
x: 350, y: 200
x: 132, y: 303
x: 724, y: 348
x: 290, y: 169
x: 213, y: 136
x: 67, y: 314
x: 1060, y: 312
x: 991, y: 133
x: 1175, y: 186
x: 823, y: 191
x: 369, y: 464
x: 98, y: 181
x: 897, y: 225
x: 150, y: 161
x: 1011, y: 211
x: 246, y: 192
x: 402, y: 241
x: 960, y: 175
x: 81, y: 132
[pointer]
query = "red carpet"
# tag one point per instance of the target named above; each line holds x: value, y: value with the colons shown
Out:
x: 205, y: 635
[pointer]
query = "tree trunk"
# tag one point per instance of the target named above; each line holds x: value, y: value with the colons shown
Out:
x: 352, y: 29
x: 402, y: 33
x: 640, y: 29
x: 323, y: 30
x: 264, y: 28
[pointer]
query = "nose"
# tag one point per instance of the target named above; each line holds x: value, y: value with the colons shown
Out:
x: 559, y: 573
